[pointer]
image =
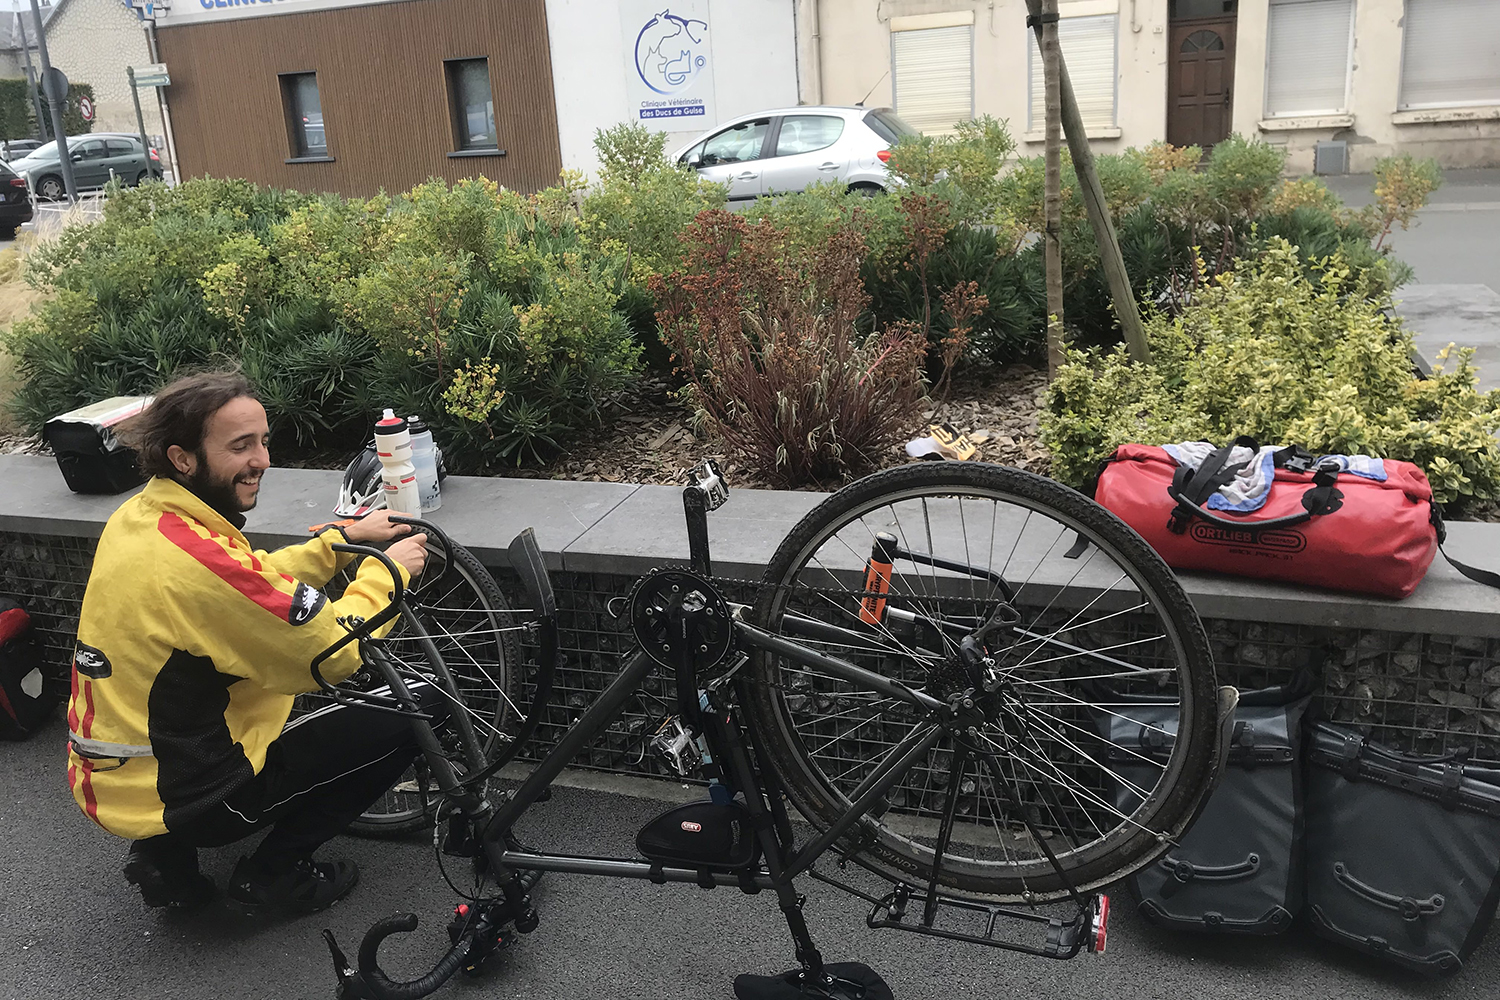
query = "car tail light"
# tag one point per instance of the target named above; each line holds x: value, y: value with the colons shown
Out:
x: 155, y: 157
x: 18, y: 182
x: 884, y: 156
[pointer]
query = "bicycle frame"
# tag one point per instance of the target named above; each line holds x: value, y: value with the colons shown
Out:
x: 732, y: 758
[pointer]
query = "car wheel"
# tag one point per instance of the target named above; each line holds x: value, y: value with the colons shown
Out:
x: 866, y: 190
x: 50, y: 188
x: 7, y: 232
x: 142, y: 177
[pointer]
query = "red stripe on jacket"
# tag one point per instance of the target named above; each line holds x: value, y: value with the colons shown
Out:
x: 227, y: 568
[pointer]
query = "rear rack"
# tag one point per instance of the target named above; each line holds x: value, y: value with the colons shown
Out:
x: 1063, y: 938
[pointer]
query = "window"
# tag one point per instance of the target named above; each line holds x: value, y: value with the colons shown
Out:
x: 1088, y: 46
x: 89, y: 151
x: 737, y: 144
x: 1182, y: 10
x: 304, y: 116
x: 1308, y: 44
x: 933, y: 74
x: 472, y: 104
x: 1452, y: 53
x: 119, y: 147
x: 806, y: 133
x: 888, y: 126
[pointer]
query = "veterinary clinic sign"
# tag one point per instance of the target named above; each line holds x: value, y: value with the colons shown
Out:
x: 200, y: 11
x: 669, y: 69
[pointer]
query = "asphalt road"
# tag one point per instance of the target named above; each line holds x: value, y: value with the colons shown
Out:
x: 71, y: 929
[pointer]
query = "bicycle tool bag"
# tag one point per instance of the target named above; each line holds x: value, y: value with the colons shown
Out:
x: 29, y: 688
x: 1238, y: 868
x: 1403, y: 852
x: 1345, y: 522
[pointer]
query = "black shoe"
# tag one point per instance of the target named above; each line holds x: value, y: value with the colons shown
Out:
x: 166, y: 885
x: 308, y: 887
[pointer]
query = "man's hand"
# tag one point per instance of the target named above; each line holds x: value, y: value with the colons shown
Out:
x: 410, y: 552
x: 376, y: 526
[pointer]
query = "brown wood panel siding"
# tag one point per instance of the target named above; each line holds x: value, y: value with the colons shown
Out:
x: 383, y: 89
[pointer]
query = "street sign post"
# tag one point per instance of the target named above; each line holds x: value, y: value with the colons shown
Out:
x: 140, y: 121
x: 55, y: 85
x: 86, y: 109
x: 153, y: 75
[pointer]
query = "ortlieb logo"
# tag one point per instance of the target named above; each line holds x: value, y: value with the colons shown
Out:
x: 1279, y: 542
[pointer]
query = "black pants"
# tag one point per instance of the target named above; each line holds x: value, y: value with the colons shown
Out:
x: 321, y: 772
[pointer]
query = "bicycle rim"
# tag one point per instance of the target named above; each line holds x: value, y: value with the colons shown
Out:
x: 1103, y: 632
x: 470, y: 623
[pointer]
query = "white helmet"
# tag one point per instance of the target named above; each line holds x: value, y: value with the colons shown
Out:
x: 363, y: 490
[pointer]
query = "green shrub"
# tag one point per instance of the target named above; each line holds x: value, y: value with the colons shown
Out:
x: 1269, y: 351
x: 764, y: 327
x: 483, y: 310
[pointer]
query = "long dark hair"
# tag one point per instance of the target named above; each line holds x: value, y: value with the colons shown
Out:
x: 178, y: 415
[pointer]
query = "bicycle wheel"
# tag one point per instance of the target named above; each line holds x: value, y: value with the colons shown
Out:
x: 469, y: 620
x: 1078, y: 635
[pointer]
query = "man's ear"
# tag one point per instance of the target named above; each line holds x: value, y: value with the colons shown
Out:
x: 182, y: 460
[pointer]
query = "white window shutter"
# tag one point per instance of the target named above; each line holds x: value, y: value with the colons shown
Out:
x: 1451, y: 56
x: 1307, y: 57
x: 934, y: 77
x: 1088, y: 47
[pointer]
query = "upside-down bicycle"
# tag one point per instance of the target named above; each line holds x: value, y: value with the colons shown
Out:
x: 925, y: 675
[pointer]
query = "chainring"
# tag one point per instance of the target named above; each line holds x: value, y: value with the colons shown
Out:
x: 660, y: 598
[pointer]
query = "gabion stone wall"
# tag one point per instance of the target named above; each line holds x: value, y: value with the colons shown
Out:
x: 1421, y: 693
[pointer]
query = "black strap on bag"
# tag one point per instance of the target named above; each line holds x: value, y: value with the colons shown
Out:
x: 1484, y: 576
x: 1191, y: 489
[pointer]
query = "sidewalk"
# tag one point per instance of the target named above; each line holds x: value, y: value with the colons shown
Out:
x: 1454, y: 246
x: 72, y: 928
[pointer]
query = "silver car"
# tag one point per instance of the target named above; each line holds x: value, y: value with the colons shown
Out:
x: 774, y: 152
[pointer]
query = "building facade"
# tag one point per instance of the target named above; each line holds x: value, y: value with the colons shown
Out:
x: 1369, y: 77
x: 93, y: 42
x: 359, y: 95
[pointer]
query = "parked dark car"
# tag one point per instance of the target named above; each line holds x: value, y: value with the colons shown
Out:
x: 97, y: 157
x: 15, y: 204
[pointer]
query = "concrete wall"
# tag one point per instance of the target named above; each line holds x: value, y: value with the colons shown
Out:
x: 754, y: 47
x: 93, y: 41
x: 855, y: 55
x: 1373, y: 127
x: 844, y: 48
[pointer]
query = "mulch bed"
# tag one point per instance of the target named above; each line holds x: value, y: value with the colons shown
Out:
x: 648, y: 435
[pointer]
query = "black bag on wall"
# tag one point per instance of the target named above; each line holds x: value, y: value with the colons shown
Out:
x: 1403, y: 852
x: 1238, y: 869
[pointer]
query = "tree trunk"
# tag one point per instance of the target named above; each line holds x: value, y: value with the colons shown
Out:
x: 1051, y: 56
x: 1093, y: 200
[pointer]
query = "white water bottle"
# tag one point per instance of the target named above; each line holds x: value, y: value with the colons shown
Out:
x: 424, y: 459
x: 398, y: 476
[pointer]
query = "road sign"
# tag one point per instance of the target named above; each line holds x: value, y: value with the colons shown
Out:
x: 154, y: 75
x: 55, y: 85
x: 86, y: 109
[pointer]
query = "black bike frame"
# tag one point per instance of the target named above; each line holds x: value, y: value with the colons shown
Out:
x: 728, y: 749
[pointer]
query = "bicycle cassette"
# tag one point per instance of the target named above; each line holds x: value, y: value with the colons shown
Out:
x: 673, y: 611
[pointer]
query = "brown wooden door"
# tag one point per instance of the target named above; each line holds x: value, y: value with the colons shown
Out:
x: 1199, y: 82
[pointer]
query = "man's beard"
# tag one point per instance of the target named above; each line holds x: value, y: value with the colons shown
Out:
x: 218, y: 493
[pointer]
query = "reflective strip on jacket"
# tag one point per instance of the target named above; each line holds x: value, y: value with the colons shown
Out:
x: 191, y: 646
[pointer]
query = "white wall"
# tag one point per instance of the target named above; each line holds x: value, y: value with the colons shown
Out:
x: 754, y: 49
x: 93, y: 41
x: 855, y: 46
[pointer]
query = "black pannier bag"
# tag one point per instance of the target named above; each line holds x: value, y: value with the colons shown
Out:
x: 90, y: 454
x: 1403, y: 851
x: 1238, y: 868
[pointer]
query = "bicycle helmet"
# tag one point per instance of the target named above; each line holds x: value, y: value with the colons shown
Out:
x: 361, y: 490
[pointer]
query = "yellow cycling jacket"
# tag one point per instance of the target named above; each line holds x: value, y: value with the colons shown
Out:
x: 190, y: 647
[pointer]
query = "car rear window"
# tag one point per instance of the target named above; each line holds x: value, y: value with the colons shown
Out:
x: 886, y: 125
